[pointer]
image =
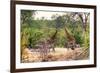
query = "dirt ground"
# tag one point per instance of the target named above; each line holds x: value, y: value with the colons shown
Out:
x: 60, y: 54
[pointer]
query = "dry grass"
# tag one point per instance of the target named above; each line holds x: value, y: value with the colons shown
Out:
x: 60, y: 54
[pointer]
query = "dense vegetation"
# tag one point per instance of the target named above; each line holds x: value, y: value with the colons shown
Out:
x: 34, y: 30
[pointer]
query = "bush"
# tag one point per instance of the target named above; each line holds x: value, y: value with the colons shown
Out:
x: 30, y: 36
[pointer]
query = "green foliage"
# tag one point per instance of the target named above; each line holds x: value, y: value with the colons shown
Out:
x: 32, y: 31
x: 61, y: 39
x: 27, y: 16
x: 77, y: 32
x: 30, y: 36
x: 87, y: 38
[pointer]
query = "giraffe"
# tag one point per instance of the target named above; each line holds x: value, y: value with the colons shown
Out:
x: 45, y: 45
x: 71, y: 42
x: 51, y: 41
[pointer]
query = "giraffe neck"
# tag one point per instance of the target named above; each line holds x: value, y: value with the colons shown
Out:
x: 54, y: 36
x: 69, y: 36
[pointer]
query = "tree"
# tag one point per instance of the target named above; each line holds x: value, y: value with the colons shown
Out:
x: 83, y: 17
x: 26, y: 16
x: 60, y: 21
